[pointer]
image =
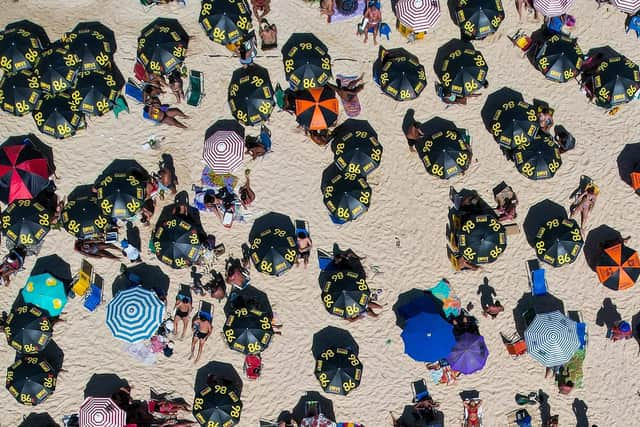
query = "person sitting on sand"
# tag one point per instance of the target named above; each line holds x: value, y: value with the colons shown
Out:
x: 11, y: 264
x: 545, y: 119
x: 247, y: 196
x: 320, y: 137
x: 201, y: 331
x: 526, y: 5
x: 237, y: 275
x: 268, y: 35
x: 304, y: 247
x: 584, y: 202
x: 472, y: 406
x: 328, y: 8
x: 176, y: 85
x: 507, y: 202
x: 260, y: 8
x: 182, y: 309
x: 492, y: 309
x: 96, y: 249
x: 160, y: 113
x: 373, y: 19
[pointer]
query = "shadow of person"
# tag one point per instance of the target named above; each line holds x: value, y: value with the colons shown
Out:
x: 545, y: 408
x: 608, y: 315
x: 486, y: 292
x: 580, y: 411
x: 133, y: 235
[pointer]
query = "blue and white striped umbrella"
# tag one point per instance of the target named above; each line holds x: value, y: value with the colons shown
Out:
x: 135, y: 314
x: 552, y: 338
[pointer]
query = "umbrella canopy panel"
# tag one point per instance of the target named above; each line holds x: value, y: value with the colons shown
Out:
x: 217, y: 406
x: 618, y: 267
x: 177, y: 243
x: 479, y: 18
x: 427, y: 337
x: 482, y: 239
x: 101, y: 412
x: 307, y: 63
x: 559, y: 58
x: 31, y: 380
x: 19, y: 92
x: 338, y: 370
x: 24, y: 169
x: 251, y: 95
x: 446, y: 153
x: 28, y: 329
x: 225, y: 22
x: 248, y: 331
x: 345, y: 293
x: 419, y: 15
x: 20, y: 49
x: 552, y: 338
x: 134, y: 314
x: 616, y: 81
x: 162, y: 46
x: 46, y: 292
x: 558, y: 241
x: 514, y: 124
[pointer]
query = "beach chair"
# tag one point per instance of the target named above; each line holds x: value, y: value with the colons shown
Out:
x: 420, y: 391
x: 581, y: 327
x: 385, y: 30
x: 514, y: 343
x: 302, y: 226
x: 94, y: 297
x: 517, y: 415
x: 133, y: 90
x: 311, y: 408
x: 252, y: 366
x: 268, y: 423
x: 537, y: 279
x: 324, y: 259
x: 523, y: 41
x: 120, y: 105
x: 195, y: 92
x: 83, y: 279
x: 206, y: 310
x: 527, y: 316
x: 634, y: 24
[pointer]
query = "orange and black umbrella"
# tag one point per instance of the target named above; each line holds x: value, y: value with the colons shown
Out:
x: 618, y: 267
x: 316, y: 108
x: 635, y: 180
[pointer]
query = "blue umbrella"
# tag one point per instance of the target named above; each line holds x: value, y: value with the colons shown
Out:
x: 134, y: 314
x: 469, y: 354
x: 428, y: 337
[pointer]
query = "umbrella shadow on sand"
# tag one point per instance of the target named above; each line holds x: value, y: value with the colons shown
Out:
x: 495, y: 101
x: 218, y: 371
x: 332, y: 337
x: 55, y: 266
x: 325, y: 406
x: 444, y: 51
x: 42, y: 419
x: 152, y: 277
x: 628, y: 161
x: 436, y: 124
x: 104, y: 385
x: 123, y: 166
x: 594, y: 242
x: 227, y: 124
x: 608, y: 315
x: 539, y: 304
x: 538, y: 215
x: 410, y: 418
x: 249, y: 297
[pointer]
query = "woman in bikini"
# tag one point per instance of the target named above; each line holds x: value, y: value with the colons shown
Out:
x: 96, y: 249
x: 584, y: 203
x: 304, y: 247
x: 175, y: 83
x: 202, y: 330
x: 183, y: 308
x: 163, y: 114
x: 472, y: 407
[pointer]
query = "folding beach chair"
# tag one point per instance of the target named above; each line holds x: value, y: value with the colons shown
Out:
x: 520, y: 414
x: 514, y: 343
x: 268, y: 423
x: 324, y: 259
x: 537, y: 279
x: 252, y: 366
x: 634, y: 24
x: 134, y: 90
x: 581, y: 327
x: 195, y: 92
x: 94, y: 297
x: 521, y: 40
x: 420, y: 390
x: 120, y: 105
x: 185, y: 291
x: 83, y: 279
x: 206, y: 310
x: 302, y: 226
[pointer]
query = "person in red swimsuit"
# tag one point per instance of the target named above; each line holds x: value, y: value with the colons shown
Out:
x: 472, y: 407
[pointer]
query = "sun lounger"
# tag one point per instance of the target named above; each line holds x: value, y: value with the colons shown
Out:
x: 252, y: 366
x: 267, y: 423
x: 94, y: 297
x: 205, y: 309
x: 134, y: 90
x: 581, y: 327
x: 420, y: 390
x: 324, y: 259
x: 195, y: 92
x: 185, y: 291
x: 83, y: 279
x: 528, y: 315
x: 537, y: 279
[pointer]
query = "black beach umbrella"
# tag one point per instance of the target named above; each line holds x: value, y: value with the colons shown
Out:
x: 31, y: 380
x: 33, y: 29
x: 94, y: 43
x: 338, y: 370
x: 250, y: 95
x: 96, y: 91
x: 307, y: 63
x: 177, y: 243
x: 83, y: 218
x: 355, y: 147
x: 251, y: 298
x: 57, y: 116
x: 273, y: 243
x: 120, y: 195
x: 399, y: 74
x: 58, y: 70
x: 616, y: 81
x: 539, y: 159
x: 19, y: 92
x: 346, y: 195
x: 481, y: 239
x: 463, y: 71
x: 479, y: 18
x: 217, y: 406
x: 248, y: 331
x: 558, y: 241
x: 28, y: 329
x: 559, y: 58
x: 344, y: 293
x: 225, y: 21
x: 25, y: 222
x: 514, y: 124
x: 20, y: 49
x: 162, y: 46
x: 446, y: 153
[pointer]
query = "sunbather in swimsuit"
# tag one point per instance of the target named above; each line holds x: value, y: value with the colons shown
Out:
x: 472, y: 410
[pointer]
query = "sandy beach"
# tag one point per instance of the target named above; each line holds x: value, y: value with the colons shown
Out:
x: 408, y: 206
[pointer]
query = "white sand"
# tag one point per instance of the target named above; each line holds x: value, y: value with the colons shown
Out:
x: 406, y: 203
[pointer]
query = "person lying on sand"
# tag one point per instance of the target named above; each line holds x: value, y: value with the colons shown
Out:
x: 164, y: 114
x: 97, y: 249
x: 176, y: 85
x: 201, y: 331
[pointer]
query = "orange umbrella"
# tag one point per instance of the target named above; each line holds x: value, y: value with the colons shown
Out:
x: 635, y: 181
x: 316, y: 108
x: 618, y: 267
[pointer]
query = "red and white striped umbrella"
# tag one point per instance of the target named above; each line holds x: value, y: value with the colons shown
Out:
x: 224, y: 151
x: 101, y: 412
x: 627, y: 6
x: 553, y: 8
x: 419, y: 15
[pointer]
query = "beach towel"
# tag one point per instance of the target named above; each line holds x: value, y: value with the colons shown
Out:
x: 352, y: 105
x: 211, y: 179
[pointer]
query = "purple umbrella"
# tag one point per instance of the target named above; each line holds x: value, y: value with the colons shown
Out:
x: 469, y: 354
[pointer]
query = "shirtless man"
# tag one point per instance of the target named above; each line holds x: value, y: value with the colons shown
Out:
x: 304, y: 247
x: 202, y: 331
x: 374, y: 18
